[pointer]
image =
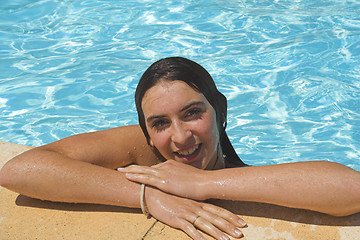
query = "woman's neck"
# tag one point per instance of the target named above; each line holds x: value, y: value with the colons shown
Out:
x: 219, y: 162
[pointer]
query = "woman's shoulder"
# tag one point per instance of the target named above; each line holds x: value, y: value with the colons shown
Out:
x: 112, y: 148
x: 133, y: 141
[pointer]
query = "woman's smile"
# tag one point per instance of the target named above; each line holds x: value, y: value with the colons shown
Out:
x: 181, y: 123
x: 189, y: 154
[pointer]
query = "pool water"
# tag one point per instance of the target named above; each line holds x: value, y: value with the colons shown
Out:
x: 290, y: 69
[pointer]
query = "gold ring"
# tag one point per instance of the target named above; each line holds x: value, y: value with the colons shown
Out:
x: 195, y: 220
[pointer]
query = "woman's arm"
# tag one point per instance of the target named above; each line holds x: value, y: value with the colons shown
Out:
x: 51, y: 176
x: 80, y: 169
x: 321, y: 186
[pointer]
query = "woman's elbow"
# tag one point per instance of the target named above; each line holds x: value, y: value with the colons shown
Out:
x: 10, y: 173
x: 4, y: 179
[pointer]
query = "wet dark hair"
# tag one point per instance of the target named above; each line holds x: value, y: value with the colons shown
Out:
x: 179, y: 68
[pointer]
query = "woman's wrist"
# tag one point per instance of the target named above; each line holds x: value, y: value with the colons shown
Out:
x: 215, y: 185
x: 143, y: 205
x: 208, y: 185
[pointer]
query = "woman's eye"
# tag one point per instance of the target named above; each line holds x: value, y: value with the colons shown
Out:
x: 194, y: 113
x: 159, y: 125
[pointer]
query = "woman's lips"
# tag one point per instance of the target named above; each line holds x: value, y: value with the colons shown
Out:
x: 189, y: 154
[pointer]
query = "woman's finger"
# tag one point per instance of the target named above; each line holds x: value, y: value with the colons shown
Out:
x: 159, y: 165
x: 195, y: 222
x: 211, y: 223
x: 143, y: 178
x: 143, y: 174
x: 140, y: 169
x: 190, y: 230
x: 225, y: 214
x: 220, y: 224
x: 206, y: 226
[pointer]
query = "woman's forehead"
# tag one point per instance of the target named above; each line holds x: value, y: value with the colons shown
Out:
x: 167, y: 95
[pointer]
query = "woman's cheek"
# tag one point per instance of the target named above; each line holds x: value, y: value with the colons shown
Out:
x: 208, y: 126
x: 161, y: 142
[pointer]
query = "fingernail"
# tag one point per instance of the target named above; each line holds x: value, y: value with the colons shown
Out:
x: 224, y: 237
x: 242, y: 223
x: 238, y: 232
x: 120, y: 169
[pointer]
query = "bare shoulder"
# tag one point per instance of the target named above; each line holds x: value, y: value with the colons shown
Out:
x: 111, y: 148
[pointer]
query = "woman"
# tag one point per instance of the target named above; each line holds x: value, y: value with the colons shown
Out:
x: 183, y: 118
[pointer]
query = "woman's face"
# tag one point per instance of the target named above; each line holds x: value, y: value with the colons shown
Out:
x: 181, y: 123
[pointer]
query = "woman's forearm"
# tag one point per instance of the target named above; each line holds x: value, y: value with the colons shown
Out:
x: 50, y: 176
x: 320, y: 186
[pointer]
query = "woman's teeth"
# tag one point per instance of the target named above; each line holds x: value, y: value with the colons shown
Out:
x: 189, y: 151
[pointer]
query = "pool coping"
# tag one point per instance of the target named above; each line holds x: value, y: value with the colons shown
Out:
x: 25, y: 218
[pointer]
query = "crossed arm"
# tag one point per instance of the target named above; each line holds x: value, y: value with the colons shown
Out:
x: 80, y: 169
x: 321, y: 186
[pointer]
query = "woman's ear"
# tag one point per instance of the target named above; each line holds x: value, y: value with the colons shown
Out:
x: 151, y: 143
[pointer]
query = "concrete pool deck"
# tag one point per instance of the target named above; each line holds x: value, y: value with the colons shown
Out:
x: 25, y: 218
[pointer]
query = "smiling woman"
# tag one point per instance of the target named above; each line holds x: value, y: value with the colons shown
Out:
x: 188, y: 158
x: 180, y: 83
x: 183, y: 129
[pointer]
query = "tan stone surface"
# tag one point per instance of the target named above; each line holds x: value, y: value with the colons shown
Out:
x: 25, y: 218
x: 267, y: 221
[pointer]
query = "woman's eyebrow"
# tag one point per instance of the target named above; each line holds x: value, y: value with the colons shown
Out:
x: 197, y: 103
x: 149, y: 119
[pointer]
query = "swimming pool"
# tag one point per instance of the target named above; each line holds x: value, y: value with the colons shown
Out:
x: 290, y: 69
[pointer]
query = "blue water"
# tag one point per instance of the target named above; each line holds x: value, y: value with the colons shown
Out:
x: 290, y: 69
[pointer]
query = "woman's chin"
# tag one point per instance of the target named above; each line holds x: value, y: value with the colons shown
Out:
x: 197, y: 164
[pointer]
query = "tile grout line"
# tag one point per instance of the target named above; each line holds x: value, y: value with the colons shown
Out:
x: 153, y: 225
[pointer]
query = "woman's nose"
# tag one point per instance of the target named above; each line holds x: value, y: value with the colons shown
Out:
x: 180, y: 134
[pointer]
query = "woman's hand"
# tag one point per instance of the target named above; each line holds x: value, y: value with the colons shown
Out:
x: 172, y: 177
x: 189, y: 215
x: 183, y: 213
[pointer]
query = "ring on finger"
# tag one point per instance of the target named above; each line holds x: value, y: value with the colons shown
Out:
x: 195, y: 220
